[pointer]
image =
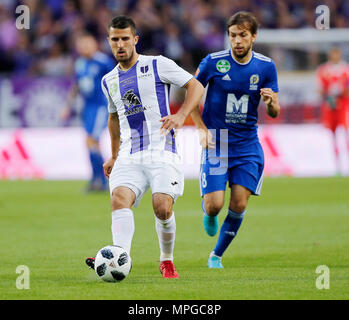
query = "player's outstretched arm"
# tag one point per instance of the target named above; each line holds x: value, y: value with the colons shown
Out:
x: 206, y: 140
x: 114, y: 131
x: 195, y: 91
x: 270, y: 98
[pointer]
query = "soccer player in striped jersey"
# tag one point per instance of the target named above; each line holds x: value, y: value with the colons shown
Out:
x: 236, y: 79
x: 144, y: 151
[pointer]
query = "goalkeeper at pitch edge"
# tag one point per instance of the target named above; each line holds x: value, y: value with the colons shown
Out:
x: 236, y: 78
x: 144, y: 151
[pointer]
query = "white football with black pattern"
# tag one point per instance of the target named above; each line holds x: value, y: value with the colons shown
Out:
x: 113, y: 264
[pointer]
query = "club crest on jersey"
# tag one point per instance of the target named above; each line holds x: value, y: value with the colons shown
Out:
x: 254, y: 79
x: 145, y: 69
x: 144, y: 72
x: 223, y: 66
x: 130, y: 99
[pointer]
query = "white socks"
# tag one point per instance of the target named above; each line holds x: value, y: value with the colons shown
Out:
x: 123, y: 228
x: 166, y: 230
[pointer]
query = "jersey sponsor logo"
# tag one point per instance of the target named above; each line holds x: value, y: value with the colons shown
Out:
x: 226, y: 77
x: 130, y: 99
x: 254, y: 79
x: 236, y: 110
x: 132, y: 103
x: 223, y: 66
x: 136, y: 110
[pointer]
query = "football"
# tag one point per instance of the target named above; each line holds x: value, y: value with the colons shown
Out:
x: 112, y: 264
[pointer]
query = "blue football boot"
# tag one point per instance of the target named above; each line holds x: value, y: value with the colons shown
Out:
x: 214, y: 262
x: 210, y: 223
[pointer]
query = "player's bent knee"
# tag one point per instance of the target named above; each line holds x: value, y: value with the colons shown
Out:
x: 162, y: 204
x: 213, y: 208
x: 117, y: 203
x: 238, y: 206
x: 163, y: 211
x: 120, y: 201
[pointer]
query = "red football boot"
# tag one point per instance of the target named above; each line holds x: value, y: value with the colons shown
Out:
x: 90, y: 262
x: 168, y: 269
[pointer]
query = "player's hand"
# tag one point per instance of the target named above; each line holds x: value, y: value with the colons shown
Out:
x: 206, y: 139
x: 108, y: 166
x: 170, y: 122
x: 268, y: 96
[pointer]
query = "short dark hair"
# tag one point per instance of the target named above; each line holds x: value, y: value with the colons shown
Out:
x: 244, y: 19
x: 123, y: 22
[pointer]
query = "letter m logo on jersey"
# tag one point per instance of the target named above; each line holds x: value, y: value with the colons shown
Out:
x: 236, y: 110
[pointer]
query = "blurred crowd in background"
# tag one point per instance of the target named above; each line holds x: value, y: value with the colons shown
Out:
x: 183, y: 30
x: 37, y: 72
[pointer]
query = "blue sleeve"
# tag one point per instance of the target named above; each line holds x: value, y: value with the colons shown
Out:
x: 203, y: 74
x: 272, y: 77
x: 76, y: 70
x: 107, y: 64
x: 111, y: 64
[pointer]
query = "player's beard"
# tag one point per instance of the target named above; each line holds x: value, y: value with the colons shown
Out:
x: 243, y: 54
x: 126, y: 59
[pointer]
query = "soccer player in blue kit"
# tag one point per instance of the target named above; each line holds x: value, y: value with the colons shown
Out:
x: 236, y: 78
x: 90, y: 67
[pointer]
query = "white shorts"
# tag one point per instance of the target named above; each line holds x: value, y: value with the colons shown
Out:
x: 159, y: 177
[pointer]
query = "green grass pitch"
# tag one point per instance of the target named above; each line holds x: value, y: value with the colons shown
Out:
x: 293, y: 227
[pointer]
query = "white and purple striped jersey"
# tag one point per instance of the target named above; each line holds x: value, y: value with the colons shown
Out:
x: 141, y: 97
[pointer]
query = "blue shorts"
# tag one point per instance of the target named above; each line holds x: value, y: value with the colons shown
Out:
x: 95, y: 120
x: 246, y: 171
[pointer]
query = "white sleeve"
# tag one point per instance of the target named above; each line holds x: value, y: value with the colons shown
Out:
x: 111, y: 105
x: 170, y: 72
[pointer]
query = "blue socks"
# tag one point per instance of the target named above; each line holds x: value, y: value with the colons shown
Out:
x: 96, y: 160
x: 228, y: 231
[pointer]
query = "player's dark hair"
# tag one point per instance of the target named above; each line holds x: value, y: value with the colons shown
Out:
x: 123, y: 22
x: 245, y: 19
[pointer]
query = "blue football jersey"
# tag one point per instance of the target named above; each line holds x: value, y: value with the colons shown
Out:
x: 89, y: 73
x: 233, y: 96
